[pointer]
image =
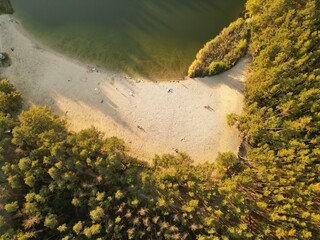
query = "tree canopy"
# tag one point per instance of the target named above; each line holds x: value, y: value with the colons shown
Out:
x: 10, y: 98
x: 58, y: 184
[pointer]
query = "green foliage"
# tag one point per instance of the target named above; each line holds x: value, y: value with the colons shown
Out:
x: 280, y: 122
x: 51, y: 221
x: 10, y: 98
x: 84, y: 186
x: 62, y: 228
x: 232, y: 119
x: 228, y: 165
x: 38, y: 128
x: 221, y: 53
x: 216, y: 68
x: 77, y: 228
x: 11, y: 207
x: 6, y: 125
x: 97, y: 214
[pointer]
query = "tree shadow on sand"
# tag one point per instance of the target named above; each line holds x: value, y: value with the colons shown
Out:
x: 233, y: 78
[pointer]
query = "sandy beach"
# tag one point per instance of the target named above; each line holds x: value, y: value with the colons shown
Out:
x: 152, y: 118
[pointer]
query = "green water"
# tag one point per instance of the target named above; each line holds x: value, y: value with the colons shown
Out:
x: 156, y: 39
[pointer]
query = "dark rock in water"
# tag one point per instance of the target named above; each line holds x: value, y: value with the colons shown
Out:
x: 6, y: 7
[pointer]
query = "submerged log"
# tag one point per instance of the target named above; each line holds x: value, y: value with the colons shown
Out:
x: 6, y: 7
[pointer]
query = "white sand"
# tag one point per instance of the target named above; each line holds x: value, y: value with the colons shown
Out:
x: 116, y: 104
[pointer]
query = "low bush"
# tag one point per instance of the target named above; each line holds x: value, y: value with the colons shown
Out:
x: 222, y: 52
x: 216, y: 67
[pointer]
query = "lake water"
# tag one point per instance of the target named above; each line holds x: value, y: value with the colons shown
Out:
x: 156, y: 39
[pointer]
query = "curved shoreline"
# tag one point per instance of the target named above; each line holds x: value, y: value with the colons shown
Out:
x: 170, y: 115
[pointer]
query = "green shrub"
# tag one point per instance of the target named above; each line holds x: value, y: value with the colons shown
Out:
x: 10, y: 98
x: 216, y: 67
x: 226, y: 49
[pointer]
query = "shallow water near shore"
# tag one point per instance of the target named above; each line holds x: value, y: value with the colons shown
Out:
x: 148, y: 38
